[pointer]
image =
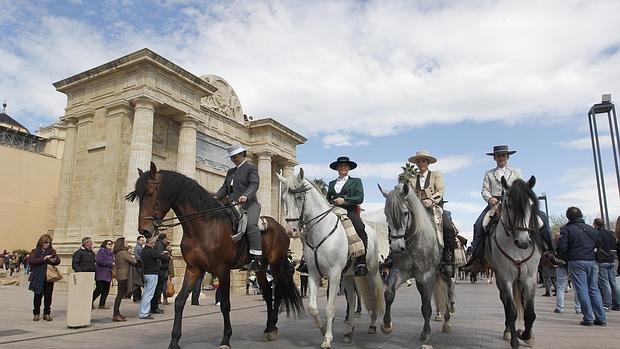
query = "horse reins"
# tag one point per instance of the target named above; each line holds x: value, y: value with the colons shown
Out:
x: 507, y: 230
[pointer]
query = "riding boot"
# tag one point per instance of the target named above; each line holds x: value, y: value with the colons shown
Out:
x: 547, y: 243
x: 360, y: 262
x: 255, y: 264
x: 477, y: 261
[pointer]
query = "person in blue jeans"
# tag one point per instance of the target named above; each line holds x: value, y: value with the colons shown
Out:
x: 576, y: 244
x: 562, y: 274
x: 151, y: 260
x: 607, y: 268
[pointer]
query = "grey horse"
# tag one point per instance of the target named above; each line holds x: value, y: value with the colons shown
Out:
x: 416, y: 252
x: 513, y: 250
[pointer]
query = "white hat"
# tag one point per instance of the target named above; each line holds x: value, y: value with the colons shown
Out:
x: 423, y: 154
x: 234, y: 150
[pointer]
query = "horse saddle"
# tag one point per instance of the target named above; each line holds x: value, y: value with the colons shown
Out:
x: 436, y: 213
x: 490, y: 219
x: 356, y: 246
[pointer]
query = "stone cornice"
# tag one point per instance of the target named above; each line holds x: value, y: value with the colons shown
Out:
x: 269, y: 122
x: 143, y: 55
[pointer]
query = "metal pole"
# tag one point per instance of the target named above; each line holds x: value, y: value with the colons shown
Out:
x: 598, y: 182
x: 613, y: 111
x: 613, y: 145
x: 600, y: 164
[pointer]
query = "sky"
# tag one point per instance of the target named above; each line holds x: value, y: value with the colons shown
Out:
x: 372, y: 80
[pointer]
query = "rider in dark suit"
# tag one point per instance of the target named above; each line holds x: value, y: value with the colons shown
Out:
x: 240, y: 185
x: 348, y: 193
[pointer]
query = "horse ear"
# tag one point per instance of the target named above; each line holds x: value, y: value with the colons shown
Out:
x: 405, y: 189
x: 531, y: 182
x: 384, y: 192
x: 301, y: 174
x: 153, y: 170
x: 504, y: 183
x: 140, y: 173
x: 281, y: 178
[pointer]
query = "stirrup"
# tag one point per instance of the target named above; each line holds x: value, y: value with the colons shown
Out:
x: 361, y: 270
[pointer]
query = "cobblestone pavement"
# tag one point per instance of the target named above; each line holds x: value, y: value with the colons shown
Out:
x: 478, y: 323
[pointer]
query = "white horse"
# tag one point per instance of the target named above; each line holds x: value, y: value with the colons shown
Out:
x: 513, y: 250
x: 325, y: 244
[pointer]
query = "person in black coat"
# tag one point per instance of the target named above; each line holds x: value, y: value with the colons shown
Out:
x: 162, y: 275
x: 38, y: 259
x: 606, y: 267
x: 84, y: 258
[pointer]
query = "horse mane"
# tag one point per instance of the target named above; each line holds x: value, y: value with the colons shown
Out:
x: 419, y: 213
x: 521, y: 197
x: 177, y: 188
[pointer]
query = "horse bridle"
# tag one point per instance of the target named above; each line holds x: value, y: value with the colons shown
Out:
x: 507, y: 230
x: 157, y: 221
x: 302, y: 223
x: 406, y: 234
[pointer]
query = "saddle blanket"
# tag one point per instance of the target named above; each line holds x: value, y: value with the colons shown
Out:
x: 356, y: 246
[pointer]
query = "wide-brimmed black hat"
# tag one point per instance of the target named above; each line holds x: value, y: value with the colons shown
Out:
x: 342, y: 160
x: 501, y: 149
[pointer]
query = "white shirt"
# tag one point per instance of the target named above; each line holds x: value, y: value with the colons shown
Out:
x: 500, y: 171
x: 423, y: 178
x: 340, y: 183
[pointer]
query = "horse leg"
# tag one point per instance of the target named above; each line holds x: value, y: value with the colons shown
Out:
x: 426, y: 293
x: 330, y: 309
x: 390, y: 294
x: 224, y: 278
x: 313, y: 310
x: 374, y: 285
x: 510, y: 312
x: 191, y: 275
x: 529, y: 315
x: 349, y: 288
x: 261, y: 277
x: 358, y: 308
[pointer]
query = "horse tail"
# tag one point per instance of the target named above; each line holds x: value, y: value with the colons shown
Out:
x: 371, y: 289
x: 518, y: 299
x: 286, y: 291
x: 441, y: 294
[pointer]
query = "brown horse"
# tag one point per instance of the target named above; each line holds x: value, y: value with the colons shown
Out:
x: 207, y: 245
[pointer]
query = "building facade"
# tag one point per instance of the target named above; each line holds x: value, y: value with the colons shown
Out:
x: 139, y: 108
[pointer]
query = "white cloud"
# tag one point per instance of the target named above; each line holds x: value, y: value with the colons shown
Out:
x: 370, y: 68
x: 586, y: 143
x: 386, y: 170
x: 341, y: 139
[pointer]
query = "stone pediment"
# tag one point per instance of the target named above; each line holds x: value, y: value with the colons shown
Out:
x: 224, y: 101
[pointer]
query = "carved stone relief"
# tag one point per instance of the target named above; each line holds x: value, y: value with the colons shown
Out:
x: 224, y: 100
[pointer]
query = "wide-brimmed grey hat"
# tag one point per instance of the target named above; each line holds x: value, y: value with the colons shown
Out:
x: 342, y: 160
x: 501, y: 149
x: 234, y: 150
x: 423, y: 154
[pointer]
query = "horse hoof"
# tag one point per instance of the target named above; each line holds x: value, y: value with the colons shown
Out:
x: 224, y: 347
x: 426, y: 346
x: 273, y: 335
x: 372, y: 329
x: 506, y: 336
x: 347, y: 338
x: 387, y: 328
x: 452, y: 308
x: 174, y: 346
x: 438, y: 317
x: 446, y: 328
x: 326, y: 346
x: 425, y: 338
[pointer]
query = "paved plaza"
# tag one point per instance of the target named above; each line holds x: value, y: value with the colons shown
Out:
x: 478, y: 323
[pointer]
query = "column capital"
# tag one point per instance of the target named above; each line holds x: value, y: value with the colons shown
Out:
x: 118, y: 108
x: 144, y: 103
x: 264, y: 155
x: 69, y: 121
x: 187, y: 121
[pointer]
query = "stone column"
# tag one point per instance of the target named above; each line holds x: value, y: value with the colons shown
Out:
x: 66, y: 177
x: 186, y: 161
x: 186, y: 157
x: 139, y: 157
x: 264, y: 190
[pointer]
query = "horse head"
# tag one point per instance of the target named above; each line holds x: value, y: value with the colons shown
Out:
x: 399, y: 216
x: 153, y: 207
x: 293, y: 195
x: 519, y: 211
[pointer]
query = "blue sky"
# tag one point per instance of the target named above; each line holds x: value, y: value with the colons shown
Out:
x: 374, y: 80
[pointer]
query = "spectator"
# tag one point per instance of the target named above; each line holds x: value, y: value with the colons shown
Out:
x: 218, y: 291
x: 12, y: 264
x: 84, y: 258
x: 103, y: 273
x: 123, y: 260
x: 606, y: 267
x: 303, y: 276
x: 170, y: 275
x: 40, y: 257
x: 151, y: 260
x: 5, y: 262
x: 140, y: 242
x: 576, y: 244
x: 160, y: 247
x: 562, y: 284
x: 197, y: 290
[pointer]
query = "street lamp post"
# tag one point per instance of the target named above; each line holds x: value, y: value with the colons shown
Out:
x: 543, y: 197
x: 605, y: 107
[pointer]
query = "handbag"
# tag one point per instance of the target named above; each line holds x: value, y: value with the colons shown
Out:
x: 169, y: 289
x: 52, y: 274
x: 599, y: 253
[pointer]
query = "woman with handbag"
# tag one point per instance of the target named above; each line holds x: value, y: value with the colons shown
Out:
x: 40, y: 259
x: 123, y: 260
x: 103, y: 273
